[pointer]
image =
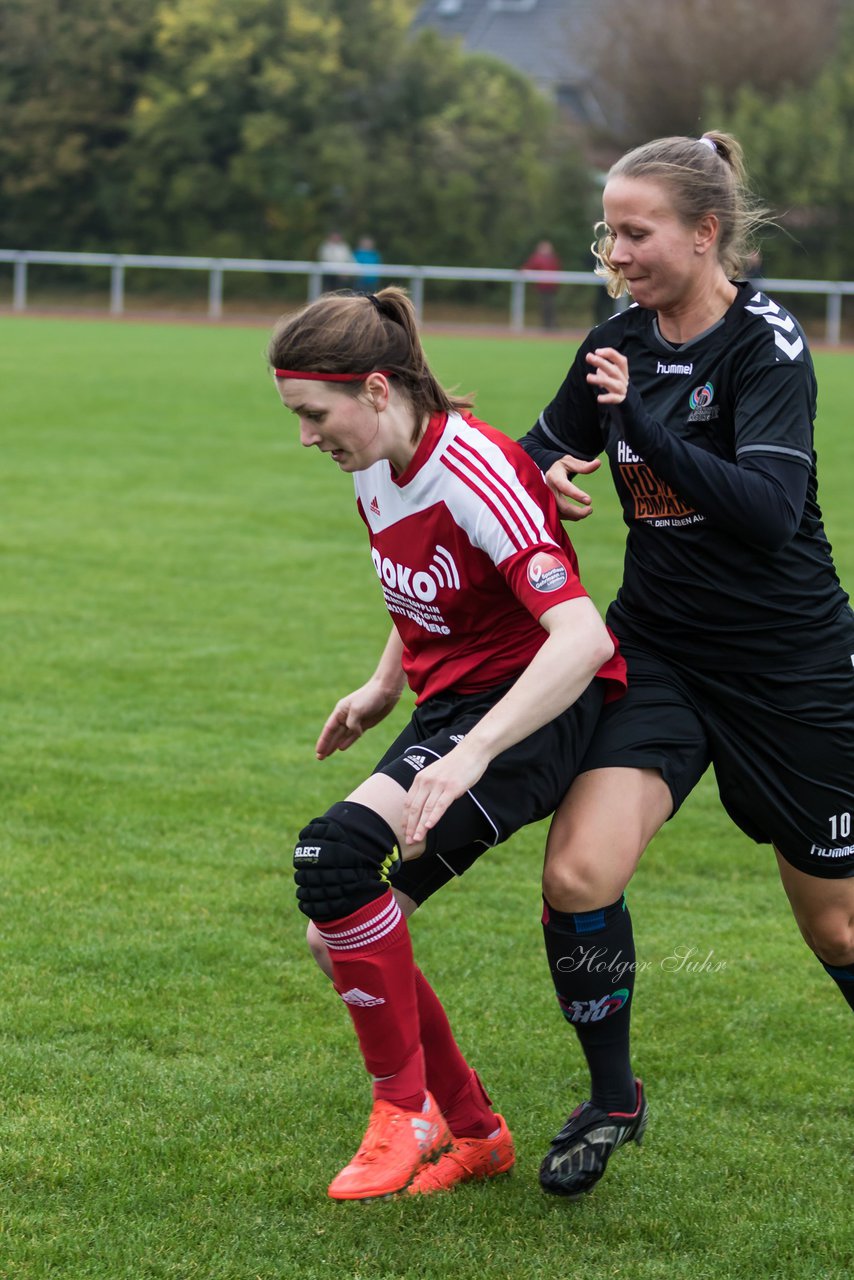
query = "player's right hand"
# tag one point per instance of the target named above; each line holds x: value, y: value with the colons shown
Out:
x: 572, y: 503
x: 352, y: 716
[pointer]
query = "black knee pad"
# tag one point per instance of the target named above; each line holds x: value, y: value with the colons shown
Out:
x: 343, y: 861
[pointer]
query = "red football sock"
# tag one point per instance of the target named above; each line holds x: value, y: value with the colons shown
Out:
x: 374, y: 974
x: 455, y: 1086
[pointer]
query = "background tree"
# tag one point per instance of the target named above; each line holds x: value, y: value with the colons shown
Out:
x: 800, y: 148
x: 251, y: 127
x: 261, y: 125
x: 68, y: 80
x: 652, y: 62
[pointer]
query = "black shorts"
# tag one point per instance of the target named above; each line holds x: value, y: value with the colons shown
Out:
x: 525, y: 783
x: 781, y: 744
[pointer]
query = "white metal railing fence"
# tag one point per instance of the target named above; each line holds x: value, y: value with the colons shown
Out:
x: 118, y: 263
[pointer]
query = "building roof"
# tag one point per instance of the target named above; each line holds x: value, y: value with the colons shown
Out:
x: 541, y: 38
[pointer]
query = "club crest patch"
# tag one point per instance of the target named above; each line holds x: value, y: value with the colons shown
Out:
x: 546, y: 572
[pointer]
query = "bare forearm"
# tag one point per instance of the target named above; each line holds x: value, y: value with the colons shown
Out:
x: 557, y: 675
x: 578, y: 644
x: 389, y: 673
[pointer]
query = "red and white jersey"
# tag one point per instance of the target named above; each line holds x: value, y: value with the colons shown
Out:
x: 470, y: 551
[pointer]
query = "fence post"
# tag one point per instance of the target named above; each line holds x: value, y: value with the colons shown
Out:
x: 215, y: 294
x: 517, y: 306
x: 117, y: 288
x: 834, y: 318
x: 315, y: 285
x: 20, y: 299
x: 418, y: 297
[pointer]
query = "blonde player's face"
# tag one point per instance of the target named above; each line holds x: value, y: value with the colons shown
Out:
x: 333, y: 421
x: 659, y: 254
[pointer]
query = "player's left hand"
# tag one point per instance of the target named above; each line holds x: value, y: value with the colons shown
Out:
x: 437, y: 787
x: 609, y: 372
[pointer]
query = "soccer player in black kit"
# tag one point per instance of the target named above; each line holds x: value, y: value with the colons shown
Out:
x: 738, y: 635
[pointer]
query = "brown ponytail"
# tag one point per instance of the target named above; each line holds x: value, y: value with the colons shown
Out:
x: 357, y: 333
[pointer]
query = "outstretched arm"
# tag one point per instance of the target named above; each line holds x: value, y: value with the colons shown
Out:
x: 566, y: 440
x: 560, y: 469
x: 573, y: 503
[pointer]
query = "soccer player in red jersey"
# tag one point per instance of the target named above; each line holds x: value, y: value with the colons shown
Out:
x: 510, y: 664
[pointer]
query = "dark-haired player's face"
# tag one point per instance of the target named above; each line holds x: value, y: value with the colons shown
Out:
x: 333, y: 421
x: 653, y: 247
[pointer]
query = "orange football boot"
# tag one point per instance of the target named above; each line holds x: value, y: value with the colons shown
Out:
x: 467, y: 1160
x: 396, y: 1145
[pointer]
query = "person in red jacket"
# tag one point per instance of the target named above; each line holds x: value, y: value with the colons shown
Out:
x: 544, y: 258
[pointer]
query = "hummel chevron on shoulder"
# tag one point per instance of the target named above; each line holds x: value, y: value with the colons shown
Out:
x: 774, y: 315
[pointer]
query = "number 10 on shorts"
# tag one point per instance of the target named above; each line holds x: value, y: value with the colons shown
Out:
x: 840, y: 826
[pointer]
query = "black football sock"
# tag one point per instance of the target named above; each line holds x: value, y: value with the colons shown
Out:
x: 591, y: 955
x: 844, y: 979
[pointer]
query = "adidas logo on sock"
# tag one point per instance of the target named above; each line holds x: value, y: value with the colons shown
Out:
x: 355, y: 996
x: 375, y: 506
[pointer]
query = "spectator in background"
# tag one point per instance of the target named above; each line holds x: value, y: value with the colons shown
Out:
x: 368, y: 254
x: 334, y: 251
x: 544, y: 258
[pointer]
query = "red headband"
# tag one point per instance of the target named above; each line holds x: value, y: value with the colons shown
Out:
x: 330, y: 377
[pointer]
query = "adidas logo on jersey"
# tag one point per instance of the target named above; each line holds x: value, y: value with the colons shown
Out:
x: 417, y: 762
x: 361, y: 998
x: 374, y: 506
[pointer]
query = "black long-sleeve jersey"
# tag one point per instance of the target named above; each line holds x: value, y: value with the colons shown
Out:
x: 727, y: 562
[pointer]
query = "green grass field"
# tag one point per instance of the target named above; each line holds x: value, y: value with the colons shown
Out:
x: 185, y: 593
